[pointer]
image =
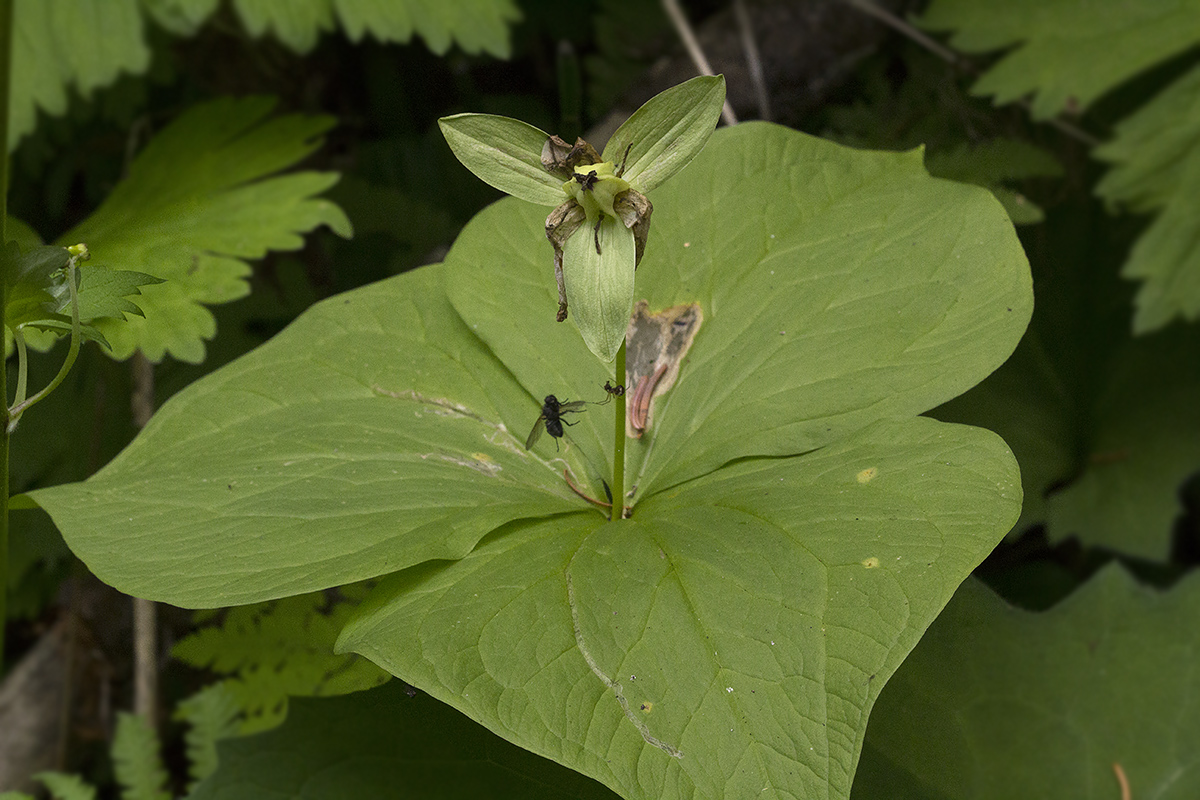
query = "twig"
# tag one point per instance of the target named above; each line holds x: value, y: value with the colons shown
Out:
x: 684, y: 29
x: 1122, y: 781
x: 946, y: 54
x: 576, y: 490
x: 145, y: 614
x: 753, y: 59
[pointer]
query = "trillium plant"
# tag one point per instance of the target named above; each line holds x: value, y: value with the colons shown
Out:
x: 594, y: 272
x: 790, y: 525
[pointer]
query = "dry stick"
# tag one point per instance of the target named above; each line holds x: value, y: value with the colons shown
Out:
x: 145, y: 614
x: 694, y: 52
x: 753, y: 59
x: 951, y: 57
x: 1122, y: 781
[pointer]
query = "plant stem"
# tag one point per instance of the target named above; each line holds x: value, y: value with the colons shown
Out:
x: 618, y: 484
x: 22, y: 405
x: 6, y: 18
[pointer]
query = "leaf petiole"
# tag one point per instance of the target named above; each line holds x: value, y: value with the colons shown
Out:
x: 20, y: 406
x: 618, y: 484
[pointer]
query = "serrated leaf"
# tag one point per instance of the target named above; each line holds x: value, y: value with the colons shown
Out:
x: 474, y: 25
x: 667, y: 131
x: 385, y: 743
x: 1018, y: 704
x: 271, y: 651
x: 1063, y: 53
x: 136, y: 762
x: 66, y: 787
x: 68, y: 45
x: 102, y: 292
x: 180, y: 17
x: 211, y: 715
x: 197, y: 202
x: 504, y: 153
x: 1156, y: 168
x: 842, y: 292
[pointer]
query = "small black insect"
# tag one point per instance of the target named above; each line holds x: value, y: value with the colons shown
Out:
x: 551, y: 419
x: 613, y: 391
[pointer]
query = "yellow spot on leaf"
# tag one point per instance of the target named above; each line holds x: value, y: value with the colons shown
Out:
x: 870, y: 563
x: 647, y: 707
x: 867, y: 474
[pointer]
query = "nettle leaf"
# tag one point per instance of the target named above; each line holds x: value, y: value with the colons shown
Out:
x: 474, y: 25
x: 67, y: 45
x: 748, y: 614
x: 1156, y: 169
x: 365, y: 745
x: 1064, y: 55
x: 1019, y: 704
x: 198, y: 202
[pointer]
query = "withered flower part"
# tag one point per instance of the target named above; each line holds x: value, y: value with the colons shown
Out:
x: 596, y: 193
x: 561, y: 159
x: 634, y: 210
x: 562, y: 222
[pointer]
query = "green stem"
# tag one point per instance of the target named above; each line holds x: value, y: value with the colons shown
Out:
x: 22, y: 365
x: 14, y: 413
x: 6, y: 31
x: 618, y: 484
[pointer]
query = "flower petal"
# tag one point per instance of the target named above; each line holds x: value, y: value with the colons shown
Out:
x: 667, y: 131
x: 505, y: 153
x: 600, y: 285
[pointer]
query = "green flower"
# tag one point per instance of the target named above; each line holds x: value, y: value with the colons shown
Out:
x: 600, y: 195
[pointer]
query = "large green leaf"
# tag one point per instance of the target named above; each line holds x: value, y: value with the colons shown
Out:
x: 1156, y: 168
x: 69, y: 45
x: 728, y: 640
x: 996, y: 702
x: 1103, y: 424
x: 196, y: 203
x: 381, y: 744
x: 367, y: 437
x: 1066, y: 53
x: 785, y: 493
x: 834, y: 287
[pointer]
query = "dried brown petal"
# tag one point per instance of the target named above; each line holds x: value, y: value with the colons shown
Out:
x: 560, y: 224
x: 561, y: 159
x: 634, y: 210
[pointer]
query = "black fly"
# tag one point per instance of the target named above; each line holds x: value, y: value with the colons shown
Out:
x: 551, y: 419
